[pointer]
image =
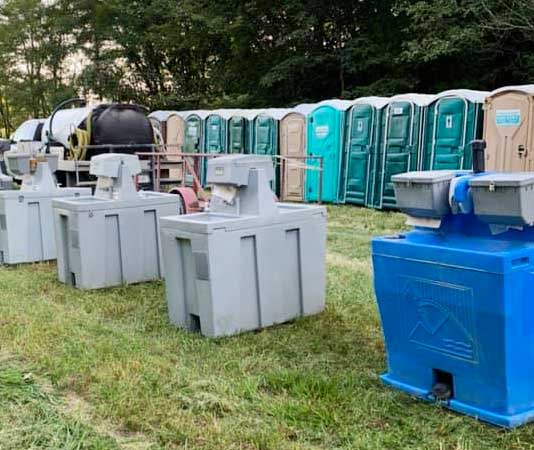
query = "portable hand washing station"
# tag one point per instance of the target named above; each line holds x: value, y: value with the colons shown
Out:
x: 248, y: 262
x: 112, y: 237
x: 26, y: 215
x: 6, y: 182
x: 455, y: 294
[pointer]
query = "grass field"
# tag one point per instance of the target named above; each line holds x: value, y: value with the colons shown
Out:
x: 105, y: 370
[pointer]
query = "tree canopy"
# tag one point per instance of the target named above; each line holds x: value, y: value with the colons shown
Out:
x: 184, y: 54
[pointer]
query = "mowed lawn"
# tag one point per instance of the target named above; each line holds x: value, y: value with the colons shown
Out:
x: 105, y: 370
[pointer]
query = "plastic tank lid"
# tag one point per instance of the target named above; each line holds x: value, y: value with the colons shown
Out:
x: 510, y: 179
x: 425, y: 176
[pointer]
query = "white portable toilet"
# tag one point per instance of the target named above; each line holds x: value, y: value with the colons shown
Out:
x: 112, y: 237
x: 26, y: 215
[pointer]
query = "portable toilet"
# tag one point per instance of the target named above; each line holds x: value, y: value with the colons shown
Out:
x: 508, y: 128
x: 238, y: 132
x: 194, y: 139
x: 265, y: 134
x: 292, y: 132
x: 361, y: 148
x: 215, y: 135
x: 171, y: 125
x: 158, y: 119
x: 401, y: 144
x: 194, y: 131
x: 454, y: 119
x: 325, y: 137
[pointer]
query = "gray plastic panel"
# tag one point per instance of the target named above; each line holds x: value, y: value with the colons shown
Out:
x: 424, y: 194
x: 27, y: 224
x: 504, y: 198
x: 424, y: 176
x: 277, y: 272
x: 512, y: 179
x: 117, y: 242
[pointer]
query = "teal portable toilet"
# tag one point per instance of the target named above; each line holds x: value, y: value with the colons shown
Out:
x: 215, y: 135
x: 264, y: 133
x: 325, y: 137
x: 453, y: 120
x: 215, y: 132
x: 194, y: 138
x: 362, y: 145
x: 401, y: 144
x: 238, y: 129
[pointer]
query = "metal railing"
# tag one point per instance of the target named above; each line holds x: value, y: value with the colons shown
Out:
x: 191, y: 164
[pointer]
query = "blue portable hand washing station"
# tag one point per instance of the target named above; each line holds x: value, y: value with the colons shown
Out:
x: 456, y: 293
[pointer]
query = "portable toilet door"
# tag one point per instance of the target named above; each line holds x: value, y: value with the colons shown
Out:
x: 292, y: 130
x: 237, y: 133
x: 362, y: 144
x: 401, y: 144
x: 215, y: 133
x: 215, y: 137
x: 508, y: 129
x: 175, y: 133
x: 265, y: 137
x: 194, y: 140
x: 453, y: 120
x: 325, y: 137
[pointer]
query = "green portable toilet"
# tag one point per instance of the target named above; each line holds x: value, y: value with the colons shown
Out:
x: 215, y: 132
x: 194, y: 138
x: 264, y: 134
x: 362, y: 145
x: 215, y: 136
x: 325, y: 137
x: 238, y: 132
x: 401, y: 144
x: 453, y: 120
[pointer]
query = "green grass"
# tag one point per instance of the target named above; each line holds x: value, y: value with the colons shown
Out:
x: 31, y: 419
x: 111, y: 372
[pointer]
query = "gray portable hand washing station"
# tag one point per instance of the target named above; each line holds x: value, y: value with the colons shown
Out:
x: 248, y: 262
x: 112, y: 237
x: 26, y: 215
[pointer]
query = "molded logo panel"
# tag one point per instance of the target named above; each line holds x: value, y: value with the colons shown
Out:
x: 439, y: 317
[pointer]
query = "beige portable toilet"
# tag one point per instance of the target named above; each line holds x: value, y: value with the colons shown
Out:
x: 171, y: 125
x: 509, y: 129
x: 292, y: 131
